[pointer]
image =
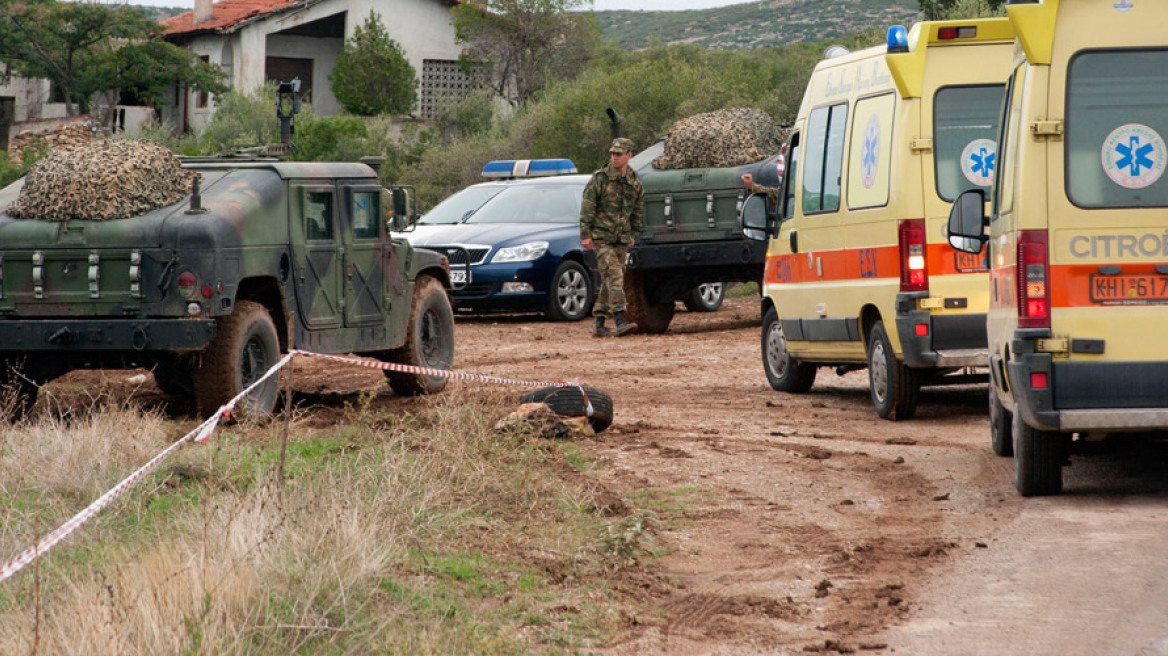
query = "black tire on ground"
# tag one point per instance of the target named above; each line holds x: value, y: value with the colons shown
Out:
x: 783, y: 372
x: 569, y: 402
x: 570, y: 293
x: 1038, y: 459
x: 894, y: 387
x: 244, y: 349
x: 651, y: 318
x: 173, y: 379
x: 1001, y: 429
x: 429, y: 341
x: 706, y: 297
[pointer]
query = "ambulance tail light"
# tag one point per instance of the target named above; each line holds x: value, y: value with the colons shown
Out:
x: 914, y: 274
x: 1033, y: 277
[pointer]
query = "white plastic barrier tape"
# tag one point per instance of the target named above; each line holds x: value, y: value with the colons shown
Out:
x: 204, y: 430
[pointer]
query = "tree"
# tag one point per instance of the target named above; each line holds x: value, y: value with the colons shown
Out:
x: 526, y: 44
x: 952, y: 9
x: 84, y: 48
x: 372, y: 75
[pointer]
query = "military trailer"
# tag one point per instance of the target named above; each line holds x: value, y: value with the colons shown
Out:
x: 207, y: 292
x: 692, y: 235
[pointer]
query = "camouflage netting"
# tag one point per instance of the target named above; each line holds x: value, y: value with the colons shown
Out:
x: 727, y: 137
x: 102, y: 180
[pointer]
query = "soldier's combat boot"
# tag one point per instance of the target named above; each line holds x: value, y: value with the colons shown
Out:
x: 623, y: 325
x: 598, y: 329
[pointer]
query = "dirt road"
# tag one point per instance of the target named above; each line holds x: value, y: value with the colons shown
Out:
x: 803, y: 523
x: 811, y: 525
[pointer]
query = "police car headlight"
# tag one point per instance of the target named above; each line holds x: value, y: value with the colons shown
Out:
x: 523, y: 253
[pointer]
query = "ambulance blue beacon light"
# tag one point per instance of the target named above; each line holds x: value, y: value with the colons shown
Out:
x: 897, y: 39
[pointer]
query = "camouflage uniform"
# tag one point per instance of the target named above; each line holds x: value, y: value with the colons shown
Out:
x: 611, y: 216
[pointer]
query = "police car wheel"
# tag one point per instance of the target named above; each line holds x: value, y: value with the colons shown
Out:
x: 429, y: 341
x: 570, y: 293
x: 784, y: 372
x: 894, y: 387
x: 573, y: 401
x: 245, y: 347
x: 706, y: 297
x: 1001, y: 429
x: 1038, y: 459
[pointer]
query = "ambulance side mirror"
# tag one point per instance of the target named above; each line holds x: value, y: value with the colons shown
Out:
x: 967, y: 222
x: 757, y: 223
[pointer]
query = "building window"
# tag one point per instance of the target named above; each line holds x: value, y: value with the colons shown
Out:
x: 443, y: 83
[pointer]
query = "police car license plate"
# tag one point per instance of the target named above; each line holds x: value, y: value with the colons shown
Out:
x: 1132, y: 289
x: 457, y: 277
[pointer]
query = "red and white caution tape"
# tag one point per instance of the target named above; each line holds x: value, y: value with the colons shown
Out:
x: 203, y: 431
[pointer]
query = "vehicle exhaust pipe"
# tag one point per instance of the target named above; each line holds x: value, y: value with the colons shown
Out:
x: 614, y: 123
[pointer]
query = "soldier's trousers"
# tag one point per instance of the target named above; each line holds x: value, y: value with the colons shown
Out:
x: 611, y: 264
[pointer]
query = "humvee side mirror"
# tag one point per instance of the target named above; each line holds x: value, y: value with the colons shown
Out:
x: 403, y: 208
x: 757, y: 223
x: 967, y: 222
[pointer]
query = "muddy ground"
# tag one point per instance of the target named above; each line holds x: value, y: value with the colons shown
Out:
x: 807, y: 523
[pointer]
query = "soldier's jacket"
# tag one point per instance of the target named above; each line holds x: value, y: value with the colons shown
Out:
x: 608, y: 199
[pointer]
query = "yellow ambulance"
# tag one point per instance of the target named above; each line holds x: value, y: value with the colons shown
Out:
x: 859, y: 271
x: 1077, y: 233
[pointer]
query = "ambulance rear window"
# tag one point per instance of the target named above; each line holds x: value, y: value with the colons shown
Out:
x: 965, y: 133
x: 1115, y: 129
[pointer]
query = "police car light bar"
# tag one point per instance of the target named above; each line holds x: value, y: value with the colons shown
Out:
x: 528, y: 168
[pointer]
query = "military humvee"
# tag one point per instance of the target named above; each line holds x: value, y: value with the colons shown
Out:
x: 261, y: 257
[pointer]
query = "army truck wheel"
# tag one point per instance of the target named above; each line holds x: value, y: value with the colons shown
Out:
x: 1038, y: 460
x: 652, y: 318
x: 244, y: 348
x: 1001, y: 420
x: 706, y: 297
x: 570, y: 294
x: 894, y: 387
x: 173, y: 379
x: 20, y: 383
x: 429, y: 341
x: 784, y: 372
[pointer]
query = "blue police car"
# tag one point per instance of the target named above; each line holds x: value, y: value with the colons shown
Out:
x: 520, y: 251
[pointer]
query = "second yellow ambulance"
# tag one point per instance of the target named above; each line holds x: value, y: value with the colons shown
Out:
x: 859, y: 270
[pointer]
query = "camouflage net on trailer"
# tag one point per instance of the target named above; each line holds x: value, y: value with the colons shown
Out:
x: 727, y: 137
x: 102, y: 180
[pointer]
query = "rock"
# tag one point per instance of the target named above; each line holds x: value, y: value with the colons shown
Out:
x: 727, y: 137
x: 102, y: 180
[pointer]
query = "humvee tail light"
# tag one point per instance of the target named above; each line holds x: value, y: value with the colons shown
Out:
x: 922, y: 329
x: 1033, y: 286
x: 1038, y: 380
x: 914, y: 275
x: 186, y: 285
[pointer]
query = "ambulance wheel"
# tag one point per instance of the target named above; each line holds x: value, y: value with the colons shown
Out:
x: 1038, y: 460
x: 429, y: 341
x: 1001, y: 430
x: 245, y: 347
x: 894, y: 387
x: 651, y: 318
x: 784, y: 372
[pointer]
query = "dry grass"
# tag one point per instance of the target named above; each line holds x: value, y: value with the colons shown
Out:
x: 392, y: 532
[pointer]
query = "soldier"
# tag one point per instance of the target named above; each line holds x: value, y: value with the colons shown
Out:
x: 772, y: 193
x: 610, y: 219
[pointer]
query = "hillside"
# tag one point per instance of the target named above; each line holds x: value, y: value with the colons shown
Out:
x: 754, y: 24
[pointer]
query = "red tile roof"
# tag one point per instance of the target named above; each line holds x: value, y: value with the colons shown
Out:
x: 224, y: 14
